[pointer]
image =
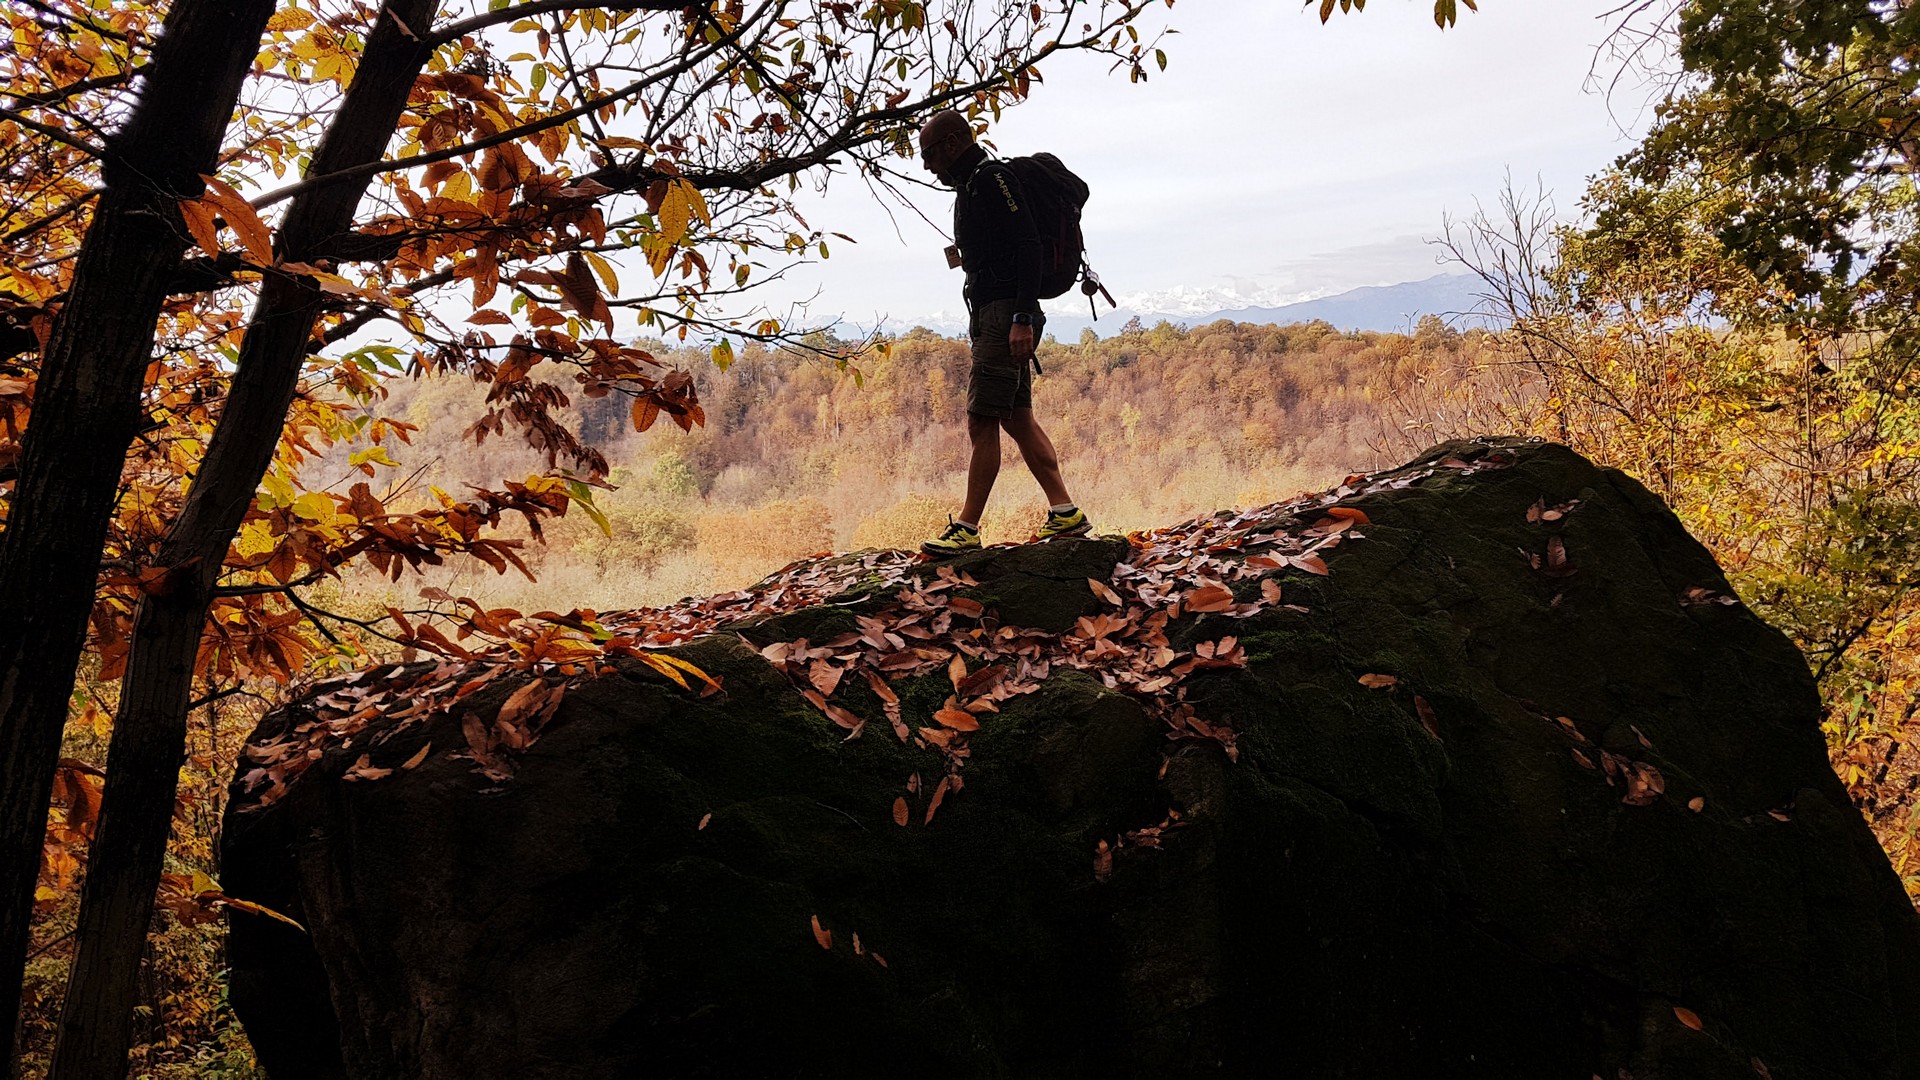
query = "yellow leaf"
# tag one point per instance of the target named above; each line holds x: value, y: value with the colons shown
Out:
x: 290, y: 18
x: 676, y: 212
x: 605, y: 269
x: 256, y: 538
x: 697, y: 201
x: 314, y: 506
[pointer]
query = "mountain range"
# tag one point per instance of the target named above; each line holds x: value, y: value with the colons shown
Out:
x: 1389, y: 308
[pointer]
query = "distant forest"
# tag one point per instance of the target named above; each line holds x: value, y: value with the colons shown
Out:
x: 797, y: 456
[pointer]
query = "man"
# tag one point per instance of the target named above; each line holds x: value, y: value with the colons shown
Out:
x: 999, y: 248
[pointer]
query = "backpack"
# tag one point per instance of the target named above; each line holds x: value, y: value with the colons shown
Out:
x: 1055, y: 195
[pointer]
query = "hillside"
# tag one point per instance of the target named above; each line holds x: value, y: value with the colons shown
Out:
x: 797, y: 457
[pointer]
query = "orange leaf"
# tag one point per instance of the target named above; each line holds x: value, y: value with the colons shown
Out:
x: 199, y: 221
x: 900, y: 810
x: 704, y: 818
x: 957, y: 670
x: 957, y: 719
x: 939, y: 796
x: 1688, y: 1017
x: 880, y: 688
x: 972, y: 609
x: 1358, y: 517
x: 1209, y: 598
x: 1378, y: 682
x: 1101, y: 590
x: 821, y: 934
x: 241, y: 218
x: 1427, y: 718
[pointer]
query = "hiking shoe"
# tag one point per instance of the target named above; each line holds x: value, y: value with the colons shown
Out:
x: 958, y: 539
x: 1072, y: 523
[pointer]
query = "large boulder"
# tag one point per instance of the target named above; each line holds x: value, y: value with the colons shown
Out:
x: 1497, y: 779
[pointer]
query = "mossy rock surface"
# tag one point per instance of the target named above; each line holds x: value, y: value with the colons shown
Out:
x: 1413, y: 879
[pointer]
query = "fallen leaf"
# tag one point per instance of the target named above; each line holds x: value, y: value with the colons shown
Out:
x: 900, y: 810
x: 821, y: 934
x: 704, y: 818
x: 1378, y: 682
x: 1101, y: 590
x: 957, y: 671
x: 1427, y: 718
x: 1696, y: 804
x: 1312, y: 564
x: 1358, y: 517
x: 1270, y: 591
x: 939, y: 796
x: 825, y: 677
x: 972, y: 609
x: 1209, y: 598
x: 880, y: 688
x: 419, y: 756
x: 1688, y: 1017
x: 957, y: 719
x: 1102, y: 861
x: 982, y: 681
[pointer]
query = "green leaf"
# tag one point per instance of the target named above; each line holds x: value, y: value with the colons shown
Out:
x: 723, y: 354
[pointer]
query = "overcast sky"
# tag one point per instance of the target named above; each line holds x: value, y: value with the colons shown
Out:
x: 1276, y: 158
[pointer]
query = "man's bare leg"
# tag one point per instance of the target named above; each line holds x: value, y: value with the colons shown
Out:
x: 983, y: 466
x: 1042, y: 460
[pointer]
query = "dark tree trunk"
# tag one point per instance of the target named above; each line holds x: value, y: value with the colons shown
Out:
x: 150, y: 730
x: 87, y: 411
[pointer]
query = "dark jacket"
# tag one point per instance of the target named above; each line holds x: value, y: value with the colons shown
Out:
x: 994, y: 229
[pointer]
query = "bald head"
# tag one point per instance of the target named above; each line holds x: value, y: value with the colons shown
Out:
x: 943, y: 138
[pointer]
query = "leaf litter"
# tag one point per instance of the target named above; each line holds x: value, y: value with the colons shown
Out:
x: 1187, y: 570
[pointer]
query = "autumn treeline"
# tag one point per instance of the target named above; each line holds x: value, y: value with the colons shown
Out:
x: 799, y: 456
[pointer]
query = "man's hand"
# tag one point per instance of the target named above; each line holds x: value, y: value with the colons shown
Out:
x: 1020, y: 341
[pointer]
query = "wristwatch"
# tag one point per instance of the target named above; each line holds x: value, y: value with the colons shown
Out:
x: 1023, y: 318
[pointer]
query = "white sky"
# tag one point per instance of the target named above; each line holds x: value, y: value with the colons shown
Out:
x: 1275, y: 158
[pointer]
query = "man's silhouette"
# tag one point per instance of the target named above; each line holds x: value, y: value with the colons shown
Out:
x: 997, y: 244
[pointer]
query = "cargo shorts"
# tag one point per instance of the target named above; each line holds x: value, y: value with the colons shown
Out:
x: 998, y: 384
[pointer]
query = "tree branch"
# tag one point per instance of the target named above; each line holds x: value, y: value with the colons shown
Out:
x: 452, y: 31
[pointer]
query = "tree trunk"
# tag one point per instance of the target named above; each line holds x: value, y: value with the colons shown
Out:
x: 87, y: 411
x: 149, y: 735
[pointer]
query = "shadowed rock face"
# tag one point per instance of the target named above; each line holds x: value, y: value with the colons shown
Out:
x: 1432, y: 877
